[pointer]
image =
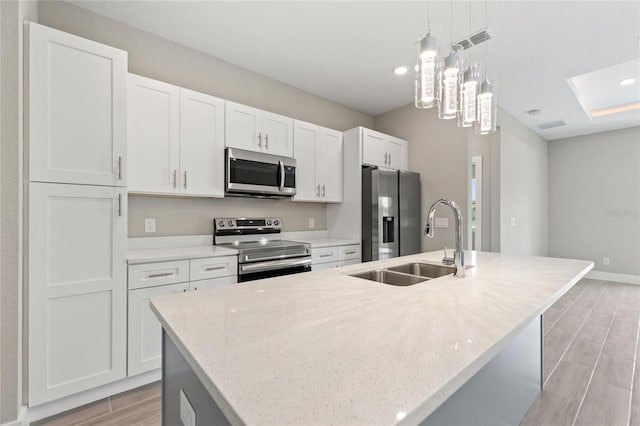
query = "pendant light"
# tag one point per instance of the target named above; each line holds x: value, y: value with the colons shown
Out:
x: 487, y: 103
x: 450, y: 79
x: 469, y: 90
x: 426, y: 90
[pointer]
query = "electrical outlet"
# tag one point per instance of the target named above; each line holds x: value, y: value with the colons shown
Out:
x: 442, y: 222
x: 150, y: 224
x: 312, y: 222
x: 513, y: 221
x: 187, y: 414
x: 606, y: 261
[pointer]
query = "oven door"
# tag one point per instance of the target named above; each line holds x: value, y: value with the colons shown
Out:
x: 250, y: 172
x: 273, y: 268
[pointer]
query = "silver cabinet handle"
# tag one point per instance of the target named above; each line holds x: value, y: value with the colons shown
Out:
x: 119, y: 204
x: 216, y: 268
x: 175, y: 179
x: 389, y: 158
x: 185, y: 179
x: 120, y: 167
x: 324, y: 191
x: 266, y: 140
x: 164, y: 274
x: 318, y: 191
x: 385, y: 158
x: 326, y: 255
x: 260, y: 139
x: 350, y: 252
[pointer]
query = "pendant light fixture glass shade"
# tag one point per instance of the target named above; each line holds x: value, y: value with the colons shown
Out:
x: 487, y: 106
x: 468, y: 96
x: 450, y: 79
x: 427, y: 76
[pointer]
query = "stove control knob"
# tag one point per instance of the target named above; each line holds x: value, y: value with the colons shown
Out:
x: 230, y: 223
x: 221, y: 224
x: 276, y: 222
x: 268, y: 223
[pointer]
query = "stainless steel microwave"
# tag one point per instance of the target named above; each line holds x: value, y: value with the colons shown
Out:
x: 256, y: 174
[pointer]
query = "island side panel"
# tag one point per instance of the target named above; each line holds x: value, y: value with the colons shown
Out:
x: 502, y: 392
x: 177, y: 375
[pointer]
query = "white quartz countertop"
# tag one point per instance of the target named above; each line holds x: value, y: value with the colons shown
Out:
x: 324, y: 348
x: 176, y: 253
x: 327, y: 242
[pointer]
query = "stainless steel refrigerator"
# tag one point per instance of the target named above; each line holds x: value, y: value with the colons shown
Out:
x: 391, y: 202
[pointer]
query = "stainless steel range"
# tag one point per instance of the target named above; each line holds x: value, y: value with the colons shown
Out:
x: 262, y: 253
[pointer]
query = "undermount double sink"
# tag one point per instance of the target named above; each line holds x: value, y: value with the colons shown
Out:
x: 407, y: 274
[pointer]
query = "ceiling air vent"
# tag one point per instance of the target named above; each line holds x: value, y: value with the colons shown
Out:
x: 552, y: 124
x: 465, y: 44
x: 474, y: 39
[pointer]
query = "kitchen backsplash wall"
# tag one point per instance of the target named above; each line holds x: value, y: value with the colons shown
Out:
x: 194, y: 216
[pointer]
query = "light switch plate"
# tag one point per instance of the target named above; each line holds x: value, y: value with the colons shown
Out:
x: 150, y: 224
x: 442, y: 222
x: 513, y: 221
x: 187, y: 414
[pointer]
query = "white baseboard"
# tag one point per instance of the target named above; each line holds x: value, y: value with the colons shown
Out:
x: 611, y: 276
x: 20, y: 421
x: 58, y: 406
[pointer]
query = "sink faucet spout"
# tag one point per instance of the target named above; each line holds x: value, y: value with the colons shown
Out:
x: 458, y: 255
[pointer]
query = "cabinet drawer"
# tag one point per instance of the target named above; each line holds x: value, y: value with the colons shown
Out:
x: 153, y: 274
x: 324, y: 255
x: 323, y: 266
x: 210, y: 283
x: 213, y: 267
x: 349, y: 252
x: 349, y: 262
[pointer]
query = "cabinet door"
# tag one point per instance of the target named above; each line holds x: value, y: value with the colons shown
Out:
x: 243, y: 127
x: 305, y: 139
x: 329, y: 165
x: 153, y: 135
x: 77, y: 109
x: 201, y: 144
x: 77, y: 288
x: 145, y: 331
x: 398, y: 155
x: 373, y: 148
x: 278, y: 134
x: 212, y: 282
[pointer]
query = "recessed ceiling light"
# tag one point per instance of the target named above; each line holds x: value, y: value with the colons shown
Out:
x: 533, y: 111
x: 400, y: 70
x: 627, y: 81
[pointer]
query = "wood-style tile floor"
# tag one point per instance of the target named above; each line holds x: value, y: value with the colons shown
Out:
x: 591, y: 357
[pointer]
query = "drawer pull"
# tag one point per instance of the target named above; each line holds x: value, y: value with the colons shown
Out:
x: 350, y: 252
x: 327, y: 255
x: 216, y: 268
x: 164, y: 274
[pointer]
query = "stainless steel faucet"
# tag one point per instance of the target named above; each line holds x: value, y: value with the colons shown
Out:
x: 458, y: 254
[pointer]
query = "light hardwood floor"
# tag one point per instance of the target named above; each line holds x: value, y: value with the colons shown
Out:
x: 590, y: 369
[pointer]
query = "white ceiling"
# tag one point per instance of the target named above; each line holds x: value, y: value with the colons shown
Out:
x: 345, y: 51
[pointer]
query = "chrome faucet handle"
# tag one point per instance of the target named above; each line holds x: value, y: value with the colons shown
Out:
x: 447, y: 260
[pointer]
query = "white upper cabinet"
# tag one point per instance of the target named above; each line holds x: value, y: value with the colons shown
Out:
x: 318, y: 154
x: 384, y: 151
x: 153, y: 135
x: 77, y: 109
x: 201, y: 144
x: 176, y: 140
x: 77, y: 288
x: 256, y: 130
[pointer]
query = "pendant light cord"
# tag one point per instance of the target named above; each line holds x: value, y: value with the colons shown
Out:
x: 428, y: 17
x: 451, y: 21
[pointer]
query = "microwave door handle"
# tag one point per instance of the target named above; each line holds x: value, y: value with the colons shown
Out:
x: 281, y: 167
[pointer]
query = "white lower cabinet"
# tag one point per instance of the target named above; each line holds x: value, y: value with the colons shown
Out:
x: 77, y: 289
x: 151, y: 280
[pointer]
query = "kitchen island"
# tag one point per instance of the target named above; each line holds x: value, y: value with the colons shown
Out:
x: 327, y: 348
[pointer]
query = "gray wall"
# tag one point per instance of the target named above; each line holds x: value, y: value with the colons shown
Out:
x: 439, y: 151
x: 524, y: 188
x: 164, y: 60
x: 594, y: 199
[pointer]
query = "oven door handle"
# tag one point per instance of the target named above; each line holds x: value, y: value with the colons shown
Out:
x: 281, y: 168
x: 247, y: 258
x: 273, y: 265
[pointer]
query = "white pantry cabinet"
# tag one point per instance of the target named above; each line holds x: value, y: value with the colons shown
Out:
x: 77, y: 292
x: 156, y: 279
x: 318, y: 154
x: 253, y: 129
x: 384, y: 151
x: 176, y: 140
x: 76, y: 109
